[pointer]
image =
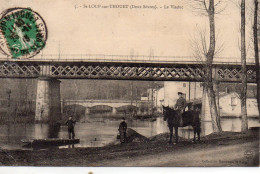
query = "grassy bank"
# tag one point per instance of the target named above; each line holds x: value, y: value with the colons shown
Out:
x: 137, y: 148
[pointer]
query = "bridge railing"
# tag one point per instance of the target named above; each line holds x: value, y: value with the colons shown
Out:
x: 126, y: 58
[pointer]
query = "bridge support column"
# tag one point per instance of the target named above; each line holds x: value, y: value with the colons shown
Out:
x: 205, y: 114
x: 113, y: 110
x: 87, y: 112
x: 150, y: 111
x: 139, y: 112
x: 145, y: 112
x: 48, y: 104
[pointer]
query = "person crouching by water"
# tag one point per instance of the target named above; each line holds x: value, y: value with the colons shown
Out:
x: 122, y: 131
x: 70, y: 123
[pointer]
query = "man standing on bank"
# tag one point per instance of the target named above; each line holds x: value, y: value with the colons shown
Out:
x: 70, y: 123
x: 122, y: 130
x: 180, y: 106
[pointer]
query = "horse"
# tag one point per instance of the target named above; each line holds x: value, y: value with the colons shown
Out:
x: 190, y: 118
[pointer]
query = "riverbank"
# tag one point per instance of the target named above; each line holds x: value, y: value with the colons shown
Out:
x: 224, y: 149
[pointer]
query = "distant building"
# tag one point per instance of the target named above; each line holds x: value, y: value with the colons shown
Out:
x: 228, y: 98
x: 144, y: 98
x: 230, y: 105
x: 159, y: 99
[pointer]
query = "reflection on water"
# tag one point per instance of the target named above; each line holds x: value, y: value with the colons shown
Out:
x: 227, y: 124
x: 53, y: 131
x: 99, y: 131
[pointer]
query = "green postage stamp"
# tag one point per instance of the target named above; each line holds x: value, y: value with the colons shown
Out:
x: 23, y: 33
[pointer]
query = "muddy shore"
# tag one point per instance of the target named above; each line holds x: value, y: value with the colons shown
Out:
x: 224, y: 149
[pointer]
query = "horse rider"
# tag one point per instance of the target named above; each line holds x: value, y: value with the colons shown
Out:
x: 180, y: 106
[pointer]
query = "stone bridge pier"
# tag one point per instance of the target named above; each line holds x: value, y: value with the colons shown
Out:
x: 114, y: 111
x: 87, y: 111
x: 48, y: 104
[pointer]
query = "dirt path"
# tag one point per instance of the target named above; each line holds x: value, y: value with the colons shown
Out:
x: 225, y: 149
x: 231, y: 155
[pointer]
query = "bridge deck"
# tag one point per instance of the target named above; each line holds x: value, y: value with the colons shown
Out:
x: 127, y: 68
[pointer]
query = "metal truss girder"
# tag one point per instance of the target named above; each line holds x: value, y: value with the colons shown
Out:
x: 125, y: 71
x: 122, y: 71
x: 22, y: 70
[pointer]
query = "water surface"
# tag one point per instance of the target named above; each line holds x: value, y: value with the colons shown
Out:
x: 99, y: 131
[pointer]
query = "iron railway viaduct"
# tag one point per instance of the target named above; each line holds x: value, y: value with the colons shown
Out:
x: 48, y: 70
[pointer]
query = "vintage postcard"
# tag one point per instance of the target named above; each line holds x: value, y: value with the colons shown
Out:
x: 136, y: 83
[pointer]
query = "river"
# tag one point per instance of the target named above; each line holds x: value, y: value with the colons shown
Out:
x: 99, y: 131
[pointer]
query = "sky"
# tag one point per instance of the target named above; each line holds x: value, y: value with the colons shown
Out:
x: 161, y: 32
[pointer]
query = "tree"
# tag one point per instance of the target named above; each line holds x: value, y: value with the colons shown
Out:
x: 256, y: 51
x: 244, y: 125
x: 208, y: 8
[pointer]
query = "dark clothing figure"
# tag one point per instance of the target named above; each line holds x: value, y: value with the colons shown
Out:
x: 71, y: 124
x: 180, y: 107
x: 180, y: 104
x: 122, y: 131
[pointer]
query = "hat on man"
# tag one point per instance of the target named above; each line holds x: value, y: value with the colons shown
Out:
x: 179, y: 93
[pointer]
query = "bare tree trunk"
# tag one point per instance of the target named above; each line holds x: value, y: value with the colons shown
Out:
x: 244, y: 126
x: 210, y: 54
x: 216, y: 90
x: 256, y: 49
x: 203, y: 109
